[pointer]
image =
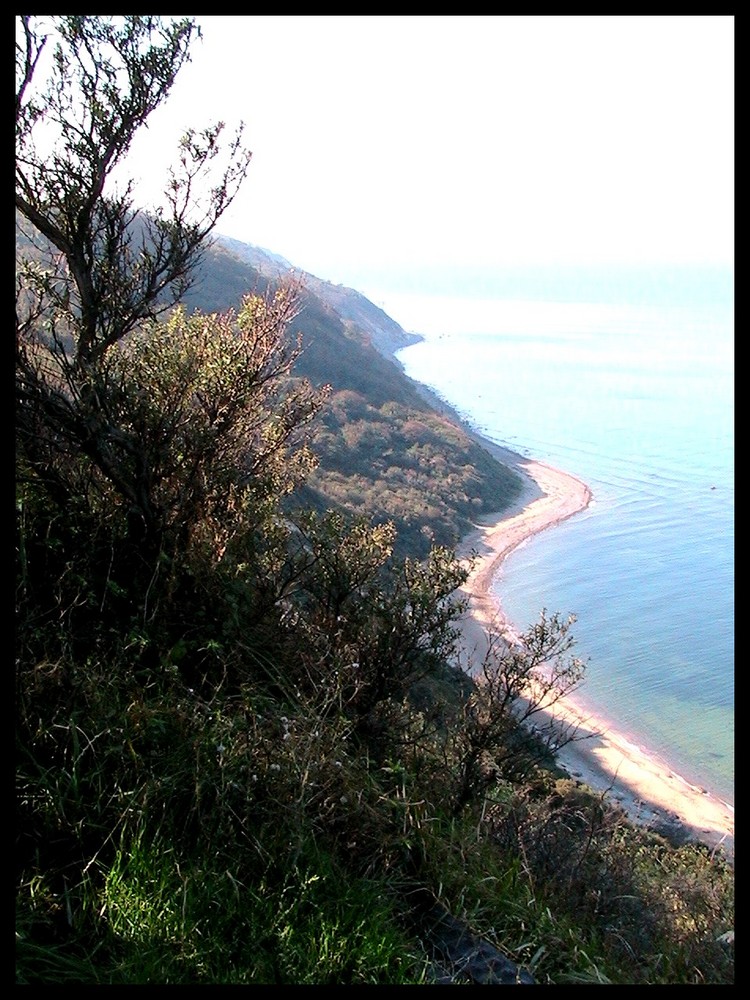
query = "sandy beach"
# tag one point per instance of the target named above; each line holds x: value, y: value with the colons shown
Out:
x: 648, y: 790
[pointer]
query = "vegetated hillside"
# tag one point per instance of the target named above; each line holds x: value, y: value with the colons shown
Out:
x: 244, y: 754
x: 351, y: 306
x: 382, y: 448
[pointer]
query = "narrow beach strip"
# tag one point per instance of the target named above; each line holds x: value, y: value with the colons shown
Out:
x: 644, y: 786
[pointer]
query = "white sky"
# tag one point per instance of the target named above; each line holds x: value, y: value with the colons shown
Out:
x: 386, y: 143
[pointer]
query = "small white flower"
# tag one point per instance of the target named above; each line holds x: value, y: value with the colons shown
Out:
x: 220, y: 748
x: 343, y: 800
x: 337, y: 763
x: 275, y: 767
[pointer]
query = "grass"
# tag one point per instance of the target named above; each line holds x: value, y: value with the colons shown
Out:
x: 156, y: 917
x: 259, y: 826
x: 251, y: 844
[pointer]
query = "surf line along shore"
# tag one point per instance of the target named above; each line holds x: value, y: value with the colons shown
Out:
x: 644, y: 786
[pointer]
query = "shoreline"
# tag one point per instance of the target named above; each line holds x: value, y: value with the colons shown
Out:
x: 648, y: 790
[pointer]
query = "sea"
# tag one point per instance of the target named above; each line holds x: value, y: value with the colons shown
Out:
x: 628, y: 384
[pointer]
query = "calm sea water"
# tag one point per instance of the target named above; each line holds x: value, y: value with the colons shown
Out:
x: 637, y: 400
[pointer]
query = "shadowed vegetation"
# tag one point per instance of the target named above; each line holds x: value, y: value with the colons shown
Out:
x: 243, y: 752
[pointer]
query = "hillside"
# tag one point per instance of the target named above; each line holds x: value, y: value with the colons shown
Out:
x: 385, y: 334
x: 245, y: 751
x: 273, y: 744
x: 383, y: 447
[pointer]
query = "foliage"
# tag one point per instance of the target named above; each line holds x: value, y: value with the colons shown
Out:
x: 516, y: 681
x: 244, y: 751
x: 403, y: 462
x: 170, y: 467
x: 389, y: 630
x: 109, y: 267
x: 381, y: 445
x: 160, y: 832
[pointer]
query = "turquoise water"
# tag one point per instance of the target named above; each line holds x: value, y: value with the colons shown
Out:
x: 638, y: 401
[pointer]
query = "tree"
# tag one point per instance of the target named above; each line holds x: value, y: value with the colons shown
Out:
x: 201, y: 412
x: 367, y: 626
x: 92, y: 268
x: 145, y: 447
x: 516, y: 681
x: 102, y: 266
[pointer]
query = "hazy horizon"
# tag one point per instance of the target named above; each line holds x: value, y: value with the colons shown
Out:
x: 388, y: 145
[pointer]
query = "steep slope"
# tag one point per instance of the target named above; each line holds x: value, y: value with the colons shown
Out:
x: 385, y: 448
x: 384, y: 333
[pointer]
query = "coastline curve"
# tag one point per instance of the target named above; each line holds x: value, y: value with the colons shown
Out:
x: 648, y: 790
